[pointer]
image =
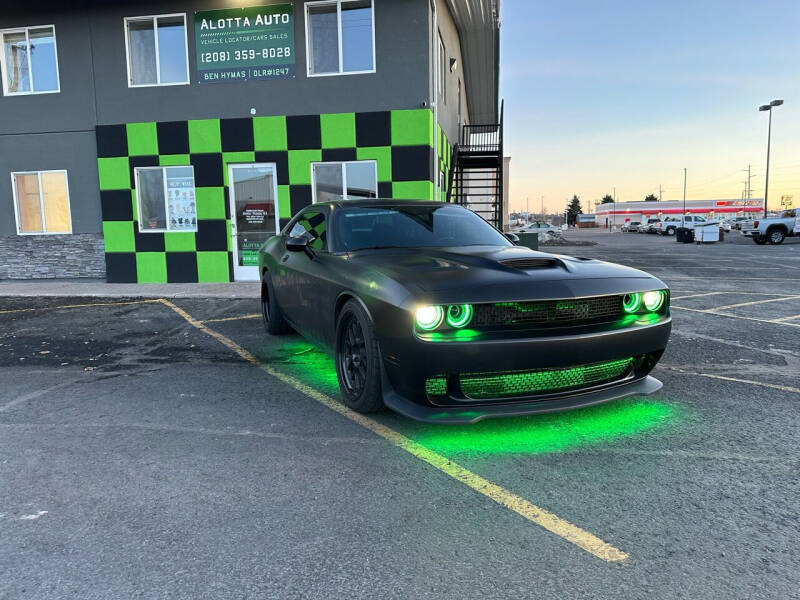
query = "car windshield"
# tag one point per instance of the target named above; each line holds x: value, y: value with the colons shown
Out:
x: 407, y: 226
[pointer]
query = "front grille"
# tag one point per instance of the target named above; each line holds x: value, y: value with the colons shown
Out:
x: 530, y: 263
x: 509, y: 384
x: 548, y: 312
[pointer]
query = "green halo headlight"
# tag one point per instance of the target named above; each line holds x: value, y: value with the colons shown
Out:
x: 653, y: 300
x: 429, y: 317
x: 631, y: 303
x: 459, y: 315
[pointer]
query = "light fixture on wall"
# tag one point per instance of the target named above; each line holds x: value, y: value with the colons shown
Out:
x: 453, y: 65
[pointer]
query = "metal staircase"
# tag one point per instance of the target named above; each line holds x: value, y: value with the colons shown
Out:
x: 476, y: 178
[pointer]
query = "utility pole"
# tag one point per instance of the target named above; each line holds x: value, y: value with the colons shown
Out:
x: 543, y: 219
x: 683, y: 217
x: 660, y: 191
x: 527, y: 211
x: 748, y: 188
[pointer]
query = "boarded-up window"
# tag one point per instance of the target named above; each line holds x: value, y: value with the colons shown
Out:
x: 42, y: 199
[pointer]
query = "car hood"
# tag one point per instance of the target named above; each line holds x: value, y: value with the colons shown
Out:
x: 486, y: 274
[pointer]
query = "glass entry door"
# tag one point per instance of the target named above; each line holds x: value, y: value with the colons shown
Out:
x: 253, y: 191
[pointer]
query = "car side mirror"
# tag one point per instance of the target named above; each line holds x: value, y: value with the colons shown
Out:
x: 512, y: 237
x: 300, y: 243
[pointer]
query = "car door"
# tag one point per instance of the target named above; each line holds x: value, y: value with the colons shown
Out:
x: 305, y: 289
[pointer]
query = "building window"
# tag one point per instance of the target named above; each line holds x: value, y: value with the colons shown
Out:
x: 344, y: 180
x: 157, y: 51
x: 41, y: 199
x: 340, y: 37
x: 29, y: 60
x: 165, y: 199
x: 442, y: 71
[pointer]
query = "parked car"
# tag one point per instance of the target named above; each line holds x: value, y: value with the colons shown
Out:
x: 669, y: 225
x: 736, y: 223
x: 537, y: 227
x: 649, y: 226
x: 631, y: 227
x: 772, y: 229
x: 430, y: 311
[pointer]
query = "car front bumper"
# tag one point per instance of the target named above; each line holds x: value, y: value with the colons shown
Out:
x: 408, y: 366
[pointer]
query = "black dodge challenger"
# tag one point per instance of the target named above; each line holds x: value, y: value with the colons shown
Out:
x: 432, y: 312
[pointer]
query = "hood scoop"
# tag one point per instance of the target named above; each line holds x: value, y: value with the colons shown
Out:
x: 526, y: 264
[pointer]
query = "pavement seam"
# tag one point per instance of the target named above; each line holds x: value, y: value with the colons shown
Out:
x: 63, y: 306
x: 544, y: 518
x: 33, y: 395
x: 774, y: 386
x: 719, y: 314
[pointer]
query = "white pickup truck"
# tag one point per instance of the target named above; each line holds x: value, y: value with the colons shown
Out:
x: 773, y: 230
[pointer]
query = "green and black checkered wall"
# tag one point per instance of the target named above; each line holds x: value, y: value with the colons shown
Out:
x: 400, y: 141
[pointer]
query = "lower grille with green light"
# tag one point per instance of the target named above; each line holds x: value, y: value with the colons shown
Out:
x: 483, y: 386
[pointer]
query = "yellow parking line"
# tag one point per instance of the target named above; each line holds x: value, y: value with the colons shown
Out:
x: 253, y: 316
x: 727, y: 306
x: 718, y: 314
x: 774, y: 386
x: 549, y: 521
x: 42, y: 308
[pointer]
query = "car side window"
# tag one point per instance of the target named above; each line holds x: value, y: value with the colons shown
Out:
x: 313, y: 225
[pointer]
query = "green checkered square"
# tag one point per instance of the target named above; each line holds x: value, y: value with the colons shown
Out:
x: 204, y: 136
x: 284, y: 202
x: 210, y: 202
x: 269, y: 133
x: 412, y: 190
x: 142, y: 139
x: 412, y: 127
x: 212, y: 267
x: 174, y: 160
x: 338, y: 130
x: 118, y: 236
x: 151, y: 267
x: 179, y: 241
x: 114, y: 173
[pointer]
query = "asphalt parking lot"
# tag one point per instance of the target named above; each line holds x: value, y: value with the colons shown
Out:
x: 170, y: 449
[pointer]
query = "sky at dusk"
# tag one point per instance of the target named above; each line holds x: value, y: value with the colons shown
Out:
x: 624, y: 93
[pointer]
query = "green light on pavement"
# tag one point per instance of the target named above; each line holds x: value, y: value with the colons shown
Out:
x: 546, y: 433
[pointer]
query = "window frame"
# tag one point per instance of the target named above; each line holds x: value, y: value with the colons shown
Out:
x: 154, y: 20
x: 163, y: 168
x: 41, y: 202
x: 343, y: 164
x: 4, y: 70
x: 442, y: 69
x: 338, y: 4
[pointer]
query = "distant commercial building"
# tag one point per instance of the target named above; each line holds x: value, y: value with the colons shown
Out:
x: 619, y: 213
x: 164, y: 142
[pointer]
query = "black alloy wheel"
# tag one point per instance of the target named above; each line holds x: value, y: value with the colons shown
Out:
x: 271, y: 314
x: 353, y: 358
x: 358, y: 360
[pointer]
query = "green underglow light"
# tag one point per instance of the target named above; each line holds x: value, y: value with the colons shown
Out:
x: 429, y: 317
x: 459, y: 315
x: 546, y: 433
x: 631, y: 302
x: 653, y: 300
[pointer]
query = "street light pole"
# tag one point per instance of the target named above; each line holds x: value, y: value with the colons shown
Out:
x: 683, y: 216
x: 768, y: 108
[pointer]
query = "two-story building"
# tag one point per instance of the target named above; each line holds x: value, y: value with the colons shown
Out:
x: 165, y: 141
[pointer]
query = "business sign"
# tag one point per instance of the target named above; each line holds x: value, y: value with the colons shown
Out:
x: 787, y: 202
x: 238, y: 44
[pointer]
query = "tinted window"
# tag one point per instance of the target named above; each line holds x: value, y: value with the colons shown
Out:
x: 413, y: 227
x: 313, y: 225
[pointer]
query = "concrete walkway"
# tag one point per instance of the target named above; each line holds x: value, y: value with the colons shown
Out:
x: 32, y: 288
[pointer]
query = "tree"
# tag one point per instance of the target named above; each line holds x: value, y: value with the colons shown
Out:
x: 573, y: 210
x: 607, y: 199
x: 650, y: 198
